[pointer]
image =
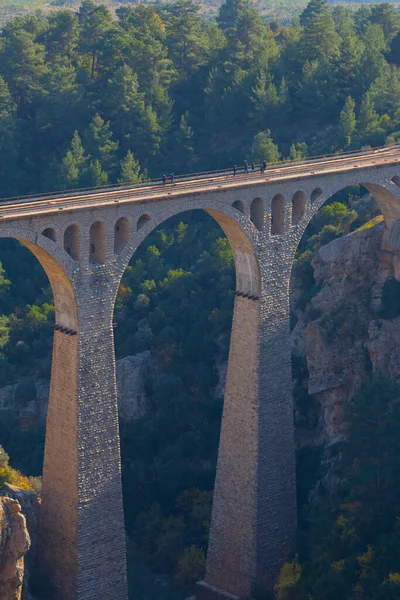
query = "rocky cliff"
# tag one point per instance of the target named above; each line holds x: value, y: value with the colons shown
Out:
x: 14, y: 544
x: 30, y: 401
x: 340, y: 336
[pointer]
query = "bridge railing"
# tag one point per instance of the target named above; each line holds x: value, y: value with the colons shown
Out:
x: 157, y: 182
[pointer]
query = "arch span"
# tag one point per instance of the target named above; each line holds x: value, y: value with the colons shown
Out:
x: 383, y: 192
x: 241, y: 393
x: 65, y: 305
x: 233, y: 225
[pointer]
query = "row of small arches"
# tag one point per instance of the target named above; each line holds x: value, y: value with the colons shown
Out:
x: 97, y: 238
x: 278, y: 208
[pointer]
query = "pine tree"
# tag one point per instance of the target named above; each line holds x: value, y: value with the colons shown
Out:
x: 320, y: 38
x: 93, y: 175
x: 298, y: 151
x: 71, y: 166
x: 368, y: 129
x: 68, y: 172
x: 229, y: 13
x: 98, y: 143
x: 77, y: 149
x: 264, y: 148
x: 183, y: 154
x: 314, y: 7
x: 347, y: 123
x: 129, y: 169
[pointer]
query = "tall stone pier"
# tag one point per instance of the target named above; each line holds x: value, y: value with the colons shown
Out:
x: 254, y: 508
x: 84, y: 241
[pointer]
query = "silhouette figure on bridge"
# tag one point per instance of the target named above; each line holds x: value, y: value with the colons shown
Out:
x: 164, y: 179
x: 172, y: 177
x: 246, y: 167
x: 234, y: 169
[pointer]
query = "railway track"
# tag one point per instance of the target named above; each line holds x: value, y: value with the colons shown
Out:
x: 75, y: 199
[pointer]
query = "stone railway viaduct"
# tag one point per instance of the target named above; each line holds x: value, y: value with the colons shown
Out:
x: 84, y: 241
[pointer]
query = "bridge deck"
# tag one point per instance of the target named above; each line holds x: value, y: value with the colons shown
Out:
x: 75, y: 200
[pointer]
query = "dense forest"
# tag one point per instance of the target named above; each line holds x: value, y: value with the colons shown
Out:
x: 87, y: 99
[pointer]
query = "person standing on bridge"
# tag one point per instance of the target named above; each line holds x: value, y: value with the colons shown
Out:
x: 264, y: 164
x: 172, y: 177
x: 253, y: 167
x: 164, y: 179
x: 234, y: 169
x: 246, y: 167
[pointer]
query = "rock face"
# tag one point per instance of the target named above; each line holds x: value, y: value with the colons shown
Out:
x: 339, y: 337
x: 14, y: 544
x: 130, y: 386
x: 132, y: 401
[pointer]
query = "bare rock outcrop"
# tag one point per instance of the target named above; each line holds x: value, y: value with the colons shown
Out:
x: 132, y: 401
x: 384, y: 345
x: 338, y: 335
x: 14, y: 544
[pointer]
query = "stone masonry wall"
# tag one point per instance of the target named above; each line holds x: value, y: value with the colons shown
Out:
x: 57, y: 551
x: 231, y: 560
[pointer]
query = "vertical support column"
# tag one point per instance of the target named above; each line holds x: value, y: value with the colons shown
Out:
x: 58, y: 527
x: 254, y: 507
x: 101, y: 531
x: 82, y: 535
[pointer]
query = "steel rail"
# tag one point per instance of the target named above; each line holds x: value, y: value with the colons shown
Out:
x: 201, y: 176
x: 192, y: 185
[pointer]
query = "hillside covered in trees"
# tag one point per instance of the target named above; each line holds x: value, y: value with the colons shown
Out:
x: 87, y: 99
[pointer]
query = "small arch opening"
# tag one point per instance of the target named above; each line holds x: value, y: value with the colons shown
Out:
x: 316, y: 194
x: 142, y: 221
x: 238, y: 204
x: 278, y: 215
x: 50, y: 233
x: 121, y: 234
x: 257, y: 213
x: 396, y: 180
x: 72, y: 243
x: 97, y: 243
x: 298, y: 207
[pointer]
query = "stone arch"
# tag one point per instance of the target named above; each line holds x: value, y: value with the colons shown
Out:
x: 238, y: 204
x: 142, y: 221
x: 65, y: 305
x: 72, y: 241
x: 257, y: 213
x: 315, y: 194
x: 236, y: 229
x: 50, y: 233
x: 242, y: 375
x: 121, y: 234
x: 298, y: 206
x: 278, y: 215
x: 396, y: 180
x: 97, y: 243
x: 388, y: 203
